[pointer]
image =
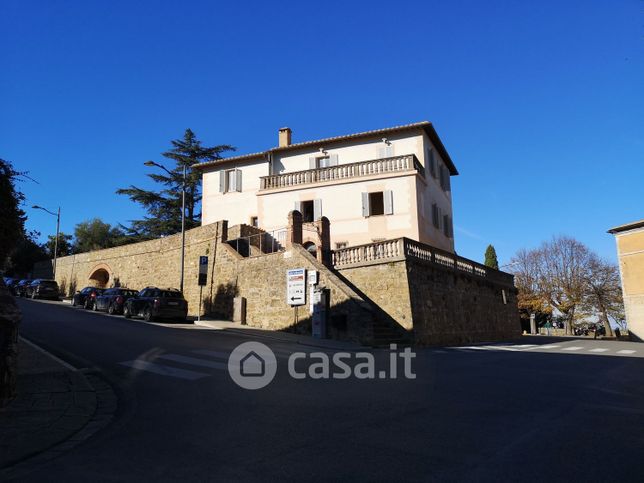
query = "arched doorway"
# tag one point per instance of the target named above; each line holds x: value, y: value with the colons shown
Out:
x: 311, y: 248
x: 100, y: 275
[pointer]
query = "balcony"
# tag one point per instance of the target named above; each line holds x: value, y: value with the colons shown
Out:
x: 396, y: 164
x: 403, y: 248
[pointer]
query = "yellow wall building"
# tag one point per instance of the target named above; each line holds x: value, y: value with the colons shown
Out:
x: 630, y: 252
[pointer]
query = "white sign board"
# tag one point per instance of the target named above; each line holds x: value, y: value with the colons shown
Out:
x: 313, y: 277
x: 296, y: 286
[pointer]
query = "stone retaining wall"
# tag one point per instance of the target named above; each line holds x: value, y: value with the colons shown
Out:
x: 151, y: 263
x: 439, y: 305
x: 262, y: 281
x: 433, y: 302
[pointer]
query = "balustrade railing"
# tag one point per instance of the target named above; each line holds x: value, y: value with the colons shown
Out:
x: 407, y: 162
x: 402, y: 248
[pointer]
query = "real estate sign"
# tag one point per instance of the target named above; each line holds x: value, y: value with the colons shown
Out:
x: 296, y: 286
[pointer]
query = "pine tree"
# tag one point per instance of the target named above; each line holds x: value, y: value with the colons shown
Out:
x: 490, y: 258
x: 12, y: 218
x: 164, y: 205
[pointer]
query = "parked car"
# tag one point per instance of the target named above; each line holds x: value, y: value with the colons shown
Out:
x: 21, y: 287
x: 43, y: 289
x: 11, y: 283
x: 113, y: 300
x: 154, y: 303
x: 86, y: 297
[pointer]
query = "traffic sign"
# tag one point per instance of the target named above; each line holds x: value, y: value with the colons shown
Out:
x: 296, y: 286
x: 203, y: 270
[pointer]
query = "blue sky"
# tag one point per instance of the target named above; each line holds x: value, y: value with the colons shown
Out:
x: 540, y: 104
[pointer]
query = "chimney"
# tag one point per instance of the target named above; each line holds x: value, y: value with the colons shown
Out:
x: 284, y: 137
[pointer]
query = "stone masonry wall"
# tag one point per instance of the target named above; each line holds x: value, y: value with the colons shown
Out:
x: 386, y: 285
x: 151, y: 263
x: 262, y: 281
x: 458, y: 308
x: 436, y: 304
x: 439, y: 305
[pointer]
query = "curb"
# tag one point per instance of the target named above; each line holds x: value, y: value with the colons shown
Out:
x: 281, y: 339
x: 87, y: 381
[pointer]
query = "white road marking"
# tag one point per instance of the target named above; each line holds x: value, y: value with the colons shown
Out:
x: 598, y: 349
x: 625, y: 351
x: 164, y: 370
x: 574, y: 348
x: 552, y: 346
x: 48, y: 354
x: 194, y: 361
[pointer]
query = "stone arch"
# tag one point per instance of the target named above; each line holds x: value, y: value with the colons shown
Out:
x: 100, y: 275
x: 311, y: 247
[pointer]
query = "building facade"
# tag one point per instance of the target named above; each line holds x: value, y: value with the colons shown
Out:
x: 372, y: 186
x: 630, y: 252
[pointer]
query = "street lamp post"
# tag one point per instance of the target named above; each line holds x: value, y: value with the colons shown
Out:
x: 183, y: 214
x: 57, y: 215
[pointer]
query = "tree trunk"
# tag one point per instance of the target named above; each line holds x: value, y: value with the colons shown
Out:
x: 569, y: 322
x: 609, y: 329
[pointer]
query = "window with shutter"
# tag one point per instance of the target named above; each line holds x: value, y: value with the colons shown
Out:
x: 435, y: 215
x: 376, y: 203
x: 308, y: 214
x: 389, y: 202
x: 238, y: 180
x: 431, y: 162
x: 365, y: 204
x: 442, y: 176
x: 317, y: 209
x: 230, y: 180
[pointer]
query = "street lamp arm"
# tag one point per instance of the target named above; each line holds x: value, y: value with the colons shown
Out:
x: 44, y: 209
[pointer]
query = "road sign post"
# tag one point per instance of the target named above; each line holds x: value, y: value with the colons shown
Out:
x: 203, y: 278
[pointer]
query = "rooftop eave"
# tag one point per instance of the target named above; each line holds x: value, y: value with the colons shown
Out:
x: 326, y: 142
x: 627, y: 227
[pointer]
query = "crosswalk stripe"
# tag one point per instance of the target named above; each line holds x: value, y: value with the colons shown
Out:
x: 598, y: 349
x: 625, y: 351
x: 164, y: 370
x: 194, y: 361
x: 552, y: 346
x: 574, y: 348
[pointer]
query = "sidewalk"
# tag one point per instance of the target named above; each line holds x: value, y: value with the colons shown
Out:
x: 52, y: 411
x: 306, y: 340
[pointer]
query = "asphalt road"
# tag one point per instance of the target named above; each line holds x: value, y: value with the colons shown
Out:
x: 533, y: 410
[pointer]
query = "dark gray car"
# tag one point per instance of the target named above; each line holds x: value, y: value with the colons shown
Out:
x: 43, y: 289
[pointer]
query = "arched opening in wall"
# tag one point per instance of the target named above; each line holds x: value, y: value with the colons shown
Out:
x: 311, y: 248
x: 100, y: 277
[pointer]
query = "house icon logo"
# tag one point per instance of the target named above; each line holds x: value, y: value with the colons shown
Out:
x: 252, y: 365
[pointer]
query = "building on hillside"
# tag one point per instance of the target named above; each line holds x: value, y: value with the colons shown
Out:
x: 372, y: 186
x: 630, y: 252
